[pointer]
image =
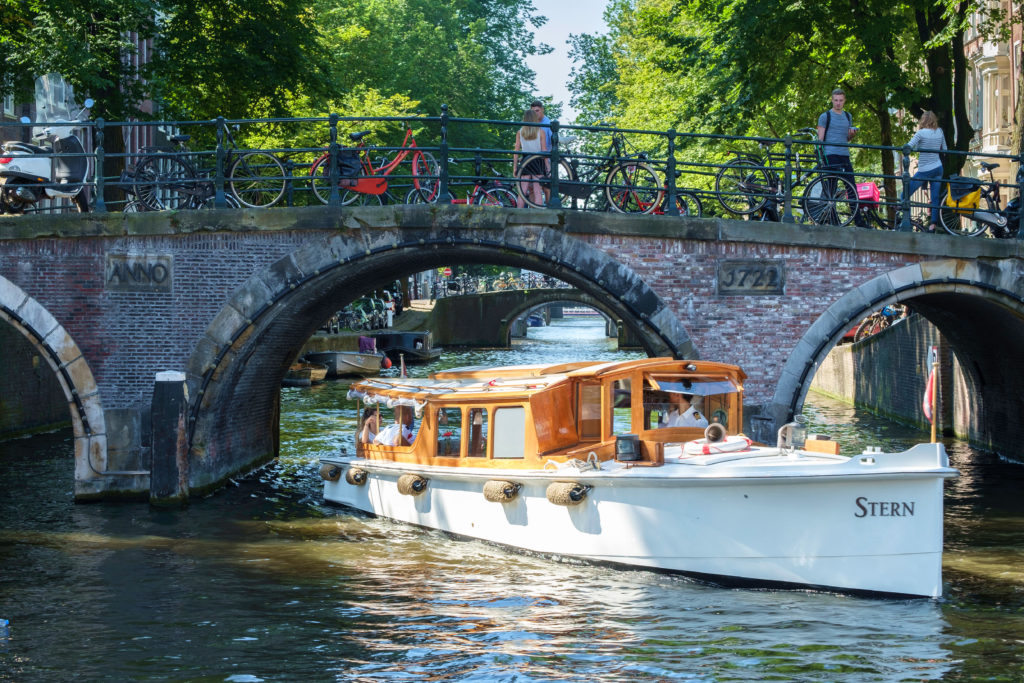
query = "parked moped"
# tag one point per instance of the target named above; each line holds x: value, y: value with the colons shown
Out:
x: 30, y: 173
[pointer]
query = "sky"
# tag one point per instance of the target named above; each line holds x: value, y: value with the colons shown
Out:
x: 564, y: 17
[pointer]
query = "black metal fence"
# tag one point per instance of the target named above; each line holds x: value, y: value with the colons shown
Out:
x: 336, y: 160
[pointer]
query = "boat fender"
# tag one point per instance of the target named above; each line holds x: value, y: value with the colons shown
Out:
x: 386, y: 363
x: 355, y: 476
x: 567, y: 492
x: 500, y: 491
x: 411, y: 484
x: 329, y: 472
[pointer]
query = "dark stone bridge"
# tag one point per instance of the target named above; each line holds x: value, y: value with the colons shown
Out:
x: 224, y: 301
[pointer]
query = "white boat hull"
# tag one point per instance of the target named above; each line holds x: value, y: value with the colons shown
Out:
x: 870, y: 524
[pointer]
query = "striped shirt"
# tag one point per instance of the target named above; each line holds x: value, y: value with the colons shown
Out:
x: 928, y: 141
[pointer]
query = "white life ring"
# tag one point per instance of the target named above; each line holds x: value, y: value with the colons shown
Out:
x: 728, y: 445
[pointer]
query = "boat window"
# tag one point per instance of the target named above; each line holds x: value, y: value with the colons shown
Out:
x: 589, y: 412
x: 478, y: 432
x: 509, y: 432
x: 449, y: 432
x: 622, y: 407
x: 656, y: 406
x: 397, y: 427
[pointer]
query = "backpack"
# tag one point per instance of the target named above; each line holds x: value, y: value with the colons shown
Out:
x: 828, y: 120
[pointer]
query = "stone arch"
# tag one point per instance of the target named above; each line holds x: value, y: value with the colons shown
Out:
x: 73, y: 375
x: 247, y: 348
x: 553, y: 297
x: 978, y: 306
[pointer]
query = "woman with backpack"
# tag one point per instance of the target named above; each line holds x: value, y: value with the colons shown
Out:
x: 929, y: 141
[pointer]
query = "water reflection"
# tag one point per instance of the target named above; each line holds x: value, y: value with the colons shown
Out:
x: 262, y: 582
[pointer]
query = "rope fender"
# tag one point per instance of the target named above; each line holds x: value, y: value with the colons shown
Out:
x: 329, y: 472
x: 411, y: 484
x: 500, y: 491
x: 567, y: 492
x: 355, y: 476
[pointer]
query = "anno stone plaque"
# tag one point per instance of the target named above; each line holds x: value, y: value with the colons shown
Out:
x: 745, y: 277
x: 138, y: 272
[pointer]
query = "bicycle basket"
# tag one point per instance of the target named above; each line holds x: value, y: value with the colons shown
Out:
x: 868, y: 193
x: 348, y: 163
x: 964, y: 194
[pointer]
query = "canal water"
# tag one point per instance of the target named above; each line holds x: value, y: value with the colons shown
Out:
x: 262, y: 582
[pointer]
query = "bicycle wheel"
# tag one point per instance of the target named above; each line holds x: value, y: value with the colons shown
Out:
x: 689, y: 204
x: 633, y: 187
x: 164, y: 181
x: 495, y: 196
x: 425, y: 175
x: 208, y: 202
x: 869, y: 326
x: 743, y: 187
x: 319, y: 177
x: 353, y: 198
x: 830, y: 200
x: 565, y: 172
x: 257, y: 180
x: 956, y: 223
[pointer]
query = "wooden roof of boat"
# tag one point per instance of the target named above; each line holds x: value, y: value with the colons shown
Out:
x: 465, y: 382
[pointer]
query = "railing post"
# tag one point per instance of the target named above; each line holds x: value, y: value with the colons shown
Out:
x: 554, y: 201
x: 1020, y: 195
x: 443, y: 195
x: 289, y: 184
x: 99, y: 205
x: 787, y: 183
x: 218, y: 196
x: 905, y: 223
x: 334, y: 197
x: 671, y: 207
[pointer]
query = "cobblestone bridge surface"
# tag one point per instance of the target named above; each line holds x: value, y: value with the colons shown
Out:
x: 227, y: 298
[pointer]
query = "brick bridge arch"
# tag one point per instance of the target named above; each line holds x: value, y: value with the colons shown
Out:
x: 74, y: 376
x: 977, y: 306
x: 235, y: 372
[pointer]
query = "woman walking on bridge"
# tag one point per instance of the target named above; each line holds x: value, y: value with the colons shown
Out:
x: 929, y: 140
x: 530, y: 140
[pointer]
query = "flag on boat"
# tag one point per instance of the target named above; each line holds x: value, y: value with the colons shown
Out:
x: 929, y: 386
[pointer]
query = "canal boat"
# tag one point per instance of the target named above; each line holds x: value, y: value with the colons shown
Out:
x: 612, y: 463
x: 347, y: 363
x: 304, y: 375
x: 415, y: 346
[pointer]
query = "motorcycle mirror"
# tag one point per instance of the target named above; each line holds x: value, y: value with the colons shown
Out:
x: 89, y: 102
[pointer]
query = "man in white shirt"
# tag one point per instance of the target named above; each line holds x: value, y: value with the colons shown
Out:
x: 683, y: 414
x: 400, y: 433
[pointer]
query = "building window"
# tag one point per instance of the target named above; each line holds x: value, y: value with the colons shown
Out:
x: 9, y: 105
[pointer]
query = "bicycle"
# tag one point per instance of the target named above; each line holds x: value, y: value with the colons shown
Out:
x: 166, y: 179
x: 486, y: 191
x: 970, y: 222
x: 869, y: 197
x: 359, y: 179
x: 744, y: 185
x: 630, y: 183
x: 880, y: 320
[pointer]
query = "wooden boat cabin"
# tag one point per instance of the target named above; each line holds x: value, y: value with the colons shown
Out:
x: 521, y: 417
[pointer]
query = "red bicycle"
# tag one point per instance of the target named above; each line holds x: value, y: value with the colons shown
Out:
x: 359, y: 179
x: 487, y: 191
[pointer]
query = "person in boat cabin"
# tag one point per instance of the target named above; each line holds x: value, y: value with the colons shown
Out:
x: 683, y: 413
x: 401, y: 432
x: 371, y: 425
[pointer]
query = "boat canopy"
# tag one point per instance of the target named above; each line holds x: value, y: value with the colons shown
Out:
x: 693, y: 387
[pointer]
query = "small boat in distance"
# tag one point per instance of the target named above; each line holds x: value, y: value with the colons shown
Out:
x: 304, y: 375
x: 416, y: 346
x: 347, y: 363
x: 641, y: 464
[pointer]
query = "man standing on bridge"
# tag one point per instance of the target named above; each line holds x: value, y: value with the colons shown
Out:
x: 836, y: 129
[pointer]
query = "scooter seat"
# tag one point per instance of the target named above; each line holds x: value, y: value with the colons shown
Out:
x: 26, y: 147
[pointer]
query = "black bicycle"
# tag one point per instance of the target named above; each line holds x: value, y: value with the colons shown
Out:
x: 624, y: 182
x: 166, y: 178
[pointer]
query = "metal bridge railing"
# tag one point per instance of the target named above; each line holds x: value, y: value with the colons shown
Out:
x: 261, y: 163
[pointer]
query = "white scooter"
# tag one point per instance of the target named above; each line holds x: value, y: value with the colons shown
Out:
x: 30, y: 173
